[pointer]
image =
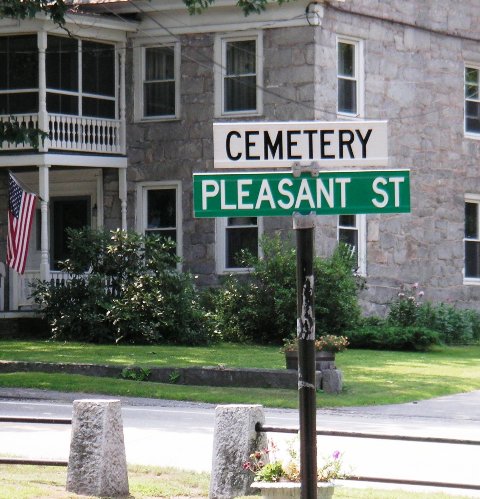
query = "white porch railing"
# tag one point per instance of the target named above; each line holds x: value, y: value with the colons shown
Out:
x: 21, y: 296
x: 74, y: 133
x: 22, y: 291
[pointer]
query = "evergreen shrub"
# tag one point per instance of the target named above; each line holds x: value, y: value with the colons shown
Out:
x: 387, y: 337
x: 131, y: 293
x: 261, y: 306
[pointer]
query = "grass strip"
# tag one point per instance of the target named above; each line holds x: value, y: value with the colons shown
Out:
x: 28, y: 482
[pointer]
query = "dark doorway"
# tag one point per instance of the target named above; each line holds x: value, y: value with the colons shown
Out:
x: 70, y: 213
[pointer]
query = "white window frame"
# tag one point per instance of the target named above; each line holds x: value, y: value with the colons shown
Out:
x: 221, y: 245
x: 141, y: 214
x: 361, y: 228
x: 358, y: 77
x: 139, y: 75
x: 474, y: 199
x: 469, y: 134
x: 220, y: 66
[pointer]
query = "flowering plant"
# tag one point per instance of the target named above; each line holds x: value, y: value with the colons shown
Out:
x: 327, y: 343
x: 266, y: 467
x: 404, y: 310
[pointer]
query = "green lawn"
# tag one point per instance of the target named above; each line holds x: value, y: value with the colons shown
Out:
x: 228, y: 354
x: 370, y: 377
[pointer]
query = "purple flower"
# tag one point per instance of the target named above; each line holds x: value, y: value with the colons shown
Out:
x: 336, y: 454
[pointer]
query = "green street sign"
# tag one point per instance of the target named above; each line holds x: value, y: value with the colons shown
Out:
x: 282, y: 194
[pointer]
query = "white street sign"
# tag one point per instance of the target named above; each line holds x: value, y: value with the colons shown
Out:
x: 282, y: 144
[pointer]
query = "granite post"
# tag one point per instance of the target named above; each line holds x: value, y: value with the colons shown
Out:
x: 234, y: 440
x: 97, y: 465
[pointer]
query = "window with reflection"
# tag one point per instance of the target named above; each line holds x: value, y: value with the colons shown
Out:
x: 472, y: 100
x: 161, y: 212
x: 80, y: 77
x: 352, y: 231
x: 159, y: 81
x: 348, y: 233
x: 241, y: 234
x: 347, y: 77
x: 18, y: 74
x: 240, y: 78
x: 472, y: 240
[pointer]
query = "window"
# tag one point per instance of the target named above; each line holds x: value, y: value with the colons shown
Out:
x: 157, y: 82
x: 160, y: 211
x: 472, y: 100
x: 239, y: 75
x: 18, y: 74
x: 235, y: 234
x: 472, y: 239
x: 80, y: 76
x: 62, y: 75
x: 86, y: 88
x: 352, y: 231
x: 349, y: 83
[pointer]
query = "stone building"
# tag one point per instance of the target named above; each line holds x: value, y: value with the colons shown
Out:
x: 150, y: 80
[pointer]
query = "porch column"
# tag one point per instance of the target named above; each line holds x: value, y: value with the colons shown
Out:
x: 122, y: 194
x: 42, y: 87
x: 123, y: 123
x: 44, y: 194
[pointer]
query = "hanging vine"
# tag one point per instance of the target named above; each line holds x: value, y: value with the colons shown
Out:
x: 14, y: 132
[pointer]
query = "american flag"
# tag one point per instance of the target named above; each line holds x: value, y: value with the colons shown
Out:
x: 21, y: 206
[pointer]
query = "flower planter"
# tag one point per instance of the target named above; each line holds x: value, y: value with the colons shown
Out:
x: 323, y: 360
x: 291, y: 490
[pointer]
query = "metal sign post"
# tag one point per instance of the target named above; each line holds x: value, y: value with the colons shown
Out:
x: 304, y: 228
x: 303, y: 192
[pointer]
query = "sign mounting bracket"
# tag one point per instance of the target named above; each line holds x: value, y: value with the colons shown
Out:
x: 313, y: 168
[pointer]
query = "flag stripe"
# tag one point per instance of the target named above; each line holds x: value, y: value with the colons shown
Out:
x: 20, y: 218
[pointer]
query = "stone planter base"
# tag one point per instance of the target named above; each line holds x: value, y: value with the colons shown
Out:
x: 328, y: 378
x: 323, y: 360
x: 290, y: 490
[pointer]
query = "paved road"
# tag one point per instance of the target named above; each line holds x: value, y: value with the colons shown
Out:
x: 166, y: 433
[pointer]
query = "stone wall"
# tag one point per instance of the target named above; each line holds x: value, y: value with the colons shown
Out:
x: 414, y: 56
x: 414, y: 78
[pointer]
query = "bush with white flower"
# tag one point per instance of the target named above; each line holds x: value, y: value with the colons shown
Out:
x: 404, y: 309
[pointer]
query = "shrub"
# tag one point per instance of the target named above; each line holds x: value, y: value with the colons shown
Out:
x: 336, y: 292
x: 454, y: 325
x: 76, y: 310
x: 262, y: 306
x: 393, y: 337
x: 132, y: 292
